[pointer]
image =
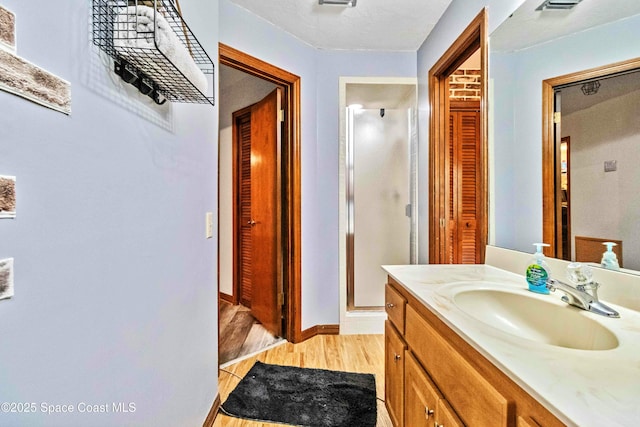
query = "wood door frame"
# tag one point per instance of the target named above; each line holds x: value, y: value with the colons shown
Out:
x: 291, y: 199
x: 549, y: 198
x: 567, y: 140
x: 473, y: 38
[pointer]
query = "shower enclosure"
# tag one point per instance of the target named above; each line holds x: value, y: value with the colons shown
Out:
x: 381, y: 193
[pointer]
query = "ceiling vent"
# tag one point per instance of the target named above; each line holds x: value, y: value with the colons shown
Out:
x: 558, y: 4
x: 348, y: 3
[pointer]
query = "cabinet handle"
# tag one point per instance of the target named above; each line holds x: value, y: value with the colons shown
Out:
x: 397, y: 357
x: 428, y: 412
x: 390, y: 305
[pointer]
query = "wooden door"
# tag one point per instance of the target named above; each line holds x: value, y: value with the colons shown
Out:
x: 244, y: 265
x: 266, y: 289
x: 463, y: 242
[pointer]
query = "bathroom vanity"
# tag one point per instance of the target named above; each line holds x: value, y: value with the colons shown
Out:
x: 469, y: 345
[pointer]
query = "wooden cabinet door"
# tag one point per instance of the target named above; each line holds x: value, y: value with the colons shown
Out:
x: 527, y: 422
x: 475, y: 399
x: 446, y: 416
x: 421, y: 395
x: 394, y: 374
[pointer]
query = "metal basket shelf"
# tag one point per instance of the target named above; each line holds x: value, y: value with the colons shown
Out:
x: 135, y: 33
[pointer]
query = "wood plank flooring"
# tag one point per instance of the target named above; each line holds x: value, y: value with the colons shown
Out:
x: 351, y: 353
x: 241, y: 333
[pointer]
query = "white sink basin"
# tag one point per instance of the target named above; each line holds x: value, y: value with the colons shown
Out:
x: 534, y: 317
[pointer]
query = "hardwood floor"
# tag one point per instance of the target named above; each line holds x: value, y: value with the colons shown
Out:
x: 351, y: 353
x: 240, y: 333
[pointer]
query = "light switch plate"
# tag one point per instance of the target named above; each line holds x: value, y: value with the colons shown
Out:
x: 209, y: 226
x: 6, y: 278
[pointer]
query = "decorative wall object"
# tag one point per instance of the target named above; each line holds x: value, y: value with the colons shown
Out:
x: 6, y: 278
x: 7, y: 196
x: 464, y: 85
x: 7, y: 29
x: 153, y: 49
x: 25, y: 79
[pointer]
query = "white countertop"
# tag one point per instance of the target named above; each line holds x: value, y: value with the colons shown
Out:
x: 580, y: 387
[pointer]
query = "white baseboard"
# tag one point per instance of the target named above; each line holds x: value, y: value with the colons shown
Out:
x: 363, y: 323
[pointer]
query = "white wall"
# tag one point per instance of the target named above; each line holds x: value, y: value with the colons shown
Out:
x: 519, y: 197
x: 606, y: 204
x: 115, y: 284
x: 319, y: 72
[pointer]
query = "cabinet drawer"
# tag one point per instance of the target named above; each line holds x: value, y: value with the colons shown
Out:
x: 473, y: 397
x: 395, y: 306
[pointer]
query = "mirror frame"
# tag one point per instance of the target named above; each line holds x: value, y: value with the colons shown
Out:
x: 550, y: 198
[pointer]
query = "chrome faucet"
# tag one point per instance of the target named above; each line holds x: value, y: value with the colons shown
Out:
x: 580, y: 297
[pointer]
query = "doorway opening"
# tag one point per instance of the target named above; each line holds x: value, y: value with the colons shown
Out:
x: 259, y: 209
x: 378, y: 183
x: 458, y: 167
x: 586, y: 122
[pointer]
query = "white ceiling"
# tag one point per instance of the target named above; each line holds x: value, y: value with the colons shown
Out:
x: 382, y: 25
x: 528, y: 27
x: 389, y: 96
x: 612, y: 87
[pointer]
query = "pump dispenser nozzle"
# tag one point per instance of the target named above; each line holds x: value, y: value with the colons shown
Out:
x: 609, y: 258
x: 539, y: 247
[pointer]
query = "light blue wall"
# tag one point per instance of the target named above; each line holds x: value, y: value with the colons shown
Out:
x: 503, y: 73
x: 331, y: 66
x: 115, y: 284
x: 453, y: 22
x: 519, y: 189
x: 319, y: 72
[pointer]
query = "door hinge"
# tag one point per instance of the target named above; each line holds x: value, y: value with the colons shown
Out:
x: 281, y: 299
x: 557, y: 117
x: 281, y: 115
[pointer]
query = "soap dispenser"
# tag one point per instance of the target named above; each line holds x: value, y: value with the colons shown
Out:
x: 538, y: 271
x: 609, y: 258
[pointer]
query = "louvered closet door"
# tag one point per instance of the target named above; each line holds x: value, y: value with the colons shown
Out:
x: 464, y: 154
x: 246, y: 247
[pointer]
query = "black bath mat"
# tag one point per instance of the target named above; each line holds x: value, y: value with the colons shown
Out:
x: 304, y: 397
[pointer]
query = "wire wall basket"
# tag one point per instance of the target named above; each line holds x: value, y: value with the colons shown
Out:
x: 154, y: 49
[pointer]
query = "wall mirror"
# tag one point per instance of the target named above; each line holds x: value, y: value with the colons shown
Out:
x: 537, y: 47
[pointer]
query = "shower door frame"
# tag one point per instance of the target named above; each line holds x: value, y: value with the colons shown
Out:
x: 346, y: 184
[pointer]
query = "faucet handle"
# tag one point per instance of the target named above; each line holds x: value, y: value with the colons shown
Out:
x: 579, y: 274
x: 588, y: 286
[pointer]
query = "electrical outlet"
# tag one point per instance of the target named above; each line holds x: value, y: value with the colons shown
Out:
x: 209, y: 225
x: 6, y: 278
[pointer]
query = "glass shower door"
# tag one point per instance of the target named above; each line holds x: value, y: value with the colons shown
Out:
x: 381, y: 195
